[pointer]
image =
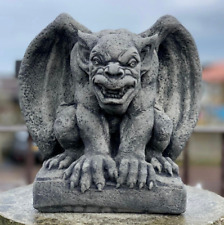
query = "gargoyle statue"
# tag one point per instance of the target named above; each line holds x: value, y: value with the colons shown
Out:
x: 113, y: 105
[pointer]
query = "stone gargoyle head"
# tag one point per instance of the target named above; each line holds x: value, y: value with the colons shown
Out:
x: 115, y: 62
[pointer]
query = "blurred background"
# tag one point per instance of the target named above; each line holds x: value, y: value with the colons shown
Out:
x: 202, y: 161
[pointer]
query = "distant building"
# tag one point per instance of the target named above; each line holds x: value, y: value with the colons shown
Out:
x: 9, y: 103
x: 9, y: 100
x: 212, y: 104
x: 206, y: 142
x: 10, y: 113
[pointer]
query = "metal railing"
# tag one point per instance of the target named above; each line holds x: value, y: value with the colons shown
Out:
x: 29, y: 160
x: 186, y: 163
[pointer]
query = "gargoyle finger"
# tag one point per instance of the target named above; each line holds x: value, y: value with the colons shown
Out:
x: 110, y: 166
x: 166, y: 166
x: 156, y: 164
x: 142, y: 175
x: 47, y: 162
x: 65, y: 162
x: 123, y: 172
x: 68, y: 172
x: 54, y: 161
x: 75, y: 177
x: 174, y: 165
x: 132, y: 173
x: 86, y: 178
x: 97, y: 173
x: 151, y: 177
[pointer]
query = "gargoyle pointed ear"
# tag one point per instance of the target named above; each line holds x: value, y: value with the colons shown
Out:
x: 87, y: 40
x: 146, y: 47
x: 148, y: 42
x: 86, y: 43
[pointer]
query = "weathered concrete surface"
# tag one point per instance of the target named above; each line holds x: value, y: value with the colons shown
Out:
x: 203, y: 207
x: 53, y: 194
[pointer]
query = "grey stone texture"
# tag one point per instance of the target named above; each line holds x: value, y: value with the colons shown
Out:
x: 111, y: 106
x: 203, y: 208
x: 52, y: 194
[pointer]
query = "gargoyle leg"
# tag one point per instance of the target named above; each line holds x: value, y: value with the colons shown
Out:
x: 67, y: 134
x: 90, y: 167
x: 162, y: 131
x: 135, y: 134
x: 65, y: 128
x: 94, y: 131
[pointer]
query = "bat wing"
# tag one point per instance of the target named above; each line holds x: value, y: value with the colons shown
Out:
x: 45, y: 80
x: 179, y: 80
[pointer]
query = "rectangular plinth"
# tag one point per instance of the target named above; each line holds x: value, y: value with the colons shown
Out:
x: 52, y: 194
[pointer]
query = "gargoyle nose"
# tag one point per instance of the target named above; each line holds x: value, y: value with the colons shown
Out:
x: 113, y: 70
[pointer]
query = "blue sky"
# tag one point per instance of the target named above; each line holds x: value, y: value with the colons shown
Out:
x: 22, y: 20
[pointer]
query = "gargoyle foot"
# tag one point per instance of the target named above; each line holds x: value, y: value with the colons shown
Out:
x: 133, y: 171
x: 90, y: 169
x: 165, y: 164
x: 60, y: 161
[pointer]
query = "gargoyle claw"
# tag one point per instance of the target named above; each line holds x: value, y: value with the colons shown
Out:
x: 72, y: 184
x: 60, y: 161
x: 151, y: 176
x: 165, y: 164
x: 83, y: 188
x: 65, y: 162
x: 88, y: 170
x: 151, y: 184
x: 100, y: 187
x: 141, y: 185
x: 156, y: 164
x: 175, y: 167
x: 135, y: 171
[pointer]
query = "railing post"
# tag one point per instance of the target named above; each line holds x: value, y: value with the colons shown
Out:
x: 186, y: 164
x: 222, y: 167
x: 29, y: 162
x: 1, y: 157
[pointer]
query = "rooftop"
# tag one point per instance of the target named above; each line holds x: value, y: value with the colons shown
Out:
x: 214, y: 73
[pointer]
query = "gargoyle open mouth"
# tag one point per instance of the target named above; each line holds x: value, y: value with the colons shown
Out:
x: 117, y: 93
x: 114, y: 91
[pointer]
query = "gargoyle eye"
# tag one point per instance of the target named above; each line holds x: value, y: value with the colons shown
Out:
x: 132, y: 63
x: 96, y: 61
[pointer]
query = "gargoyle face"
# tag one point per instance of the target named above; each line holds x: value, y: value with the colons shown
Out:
x: 115, y: 67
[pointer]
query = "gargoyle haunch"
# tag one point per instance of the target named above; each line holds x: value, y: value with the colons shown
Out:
x: 113, y: 105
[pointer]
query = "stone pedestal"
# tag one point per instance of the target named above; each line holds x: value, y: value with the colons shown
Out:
x: 51, y: 193
x: 203, y: 207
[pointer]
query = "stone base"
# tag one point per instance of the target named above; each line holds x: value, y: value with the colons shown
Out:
x: 203, y: 207
x: 52, y: 194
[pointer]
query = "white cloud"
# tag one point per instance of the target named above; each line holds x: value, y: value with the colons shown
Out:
x: 22, y: 20
x: 194, y: 3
